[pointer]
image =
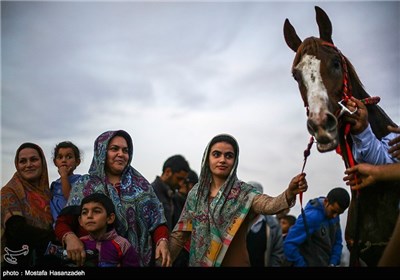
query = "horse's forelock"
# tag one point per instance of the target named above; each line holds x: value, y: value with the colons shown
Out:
x: 309, y: 45
x: 313, y: 45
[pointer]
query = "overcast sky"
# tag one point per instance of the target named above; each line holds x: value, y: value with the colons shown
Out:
x: 175, y: 74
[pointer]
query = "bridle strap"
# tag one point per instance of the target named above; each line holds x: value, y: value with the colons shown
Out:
x: 346, y: 95
x: 347, y: 154
x: 346, y: 85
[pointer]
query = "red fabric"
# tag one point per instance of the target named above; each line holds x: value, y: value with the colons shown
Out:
x: 117, y: 247
x: 187, y: 245
x: 67, y: 223
x: 160, y: 232
x: 117, y: 186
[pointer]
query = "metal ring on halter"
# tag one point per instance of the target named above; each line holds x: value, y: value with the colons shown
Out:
x: 345, y: 109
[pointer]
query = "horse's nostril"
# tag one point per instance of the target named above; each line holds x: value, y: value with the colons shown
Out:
x: 331, y: 122
x: 311, y: 127
x: 326, y: 126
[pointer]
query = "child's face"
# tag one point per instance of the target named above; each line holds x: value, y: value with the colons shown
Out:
x: 284, y: 225
x: 94, y: 218
x: 66, y: 159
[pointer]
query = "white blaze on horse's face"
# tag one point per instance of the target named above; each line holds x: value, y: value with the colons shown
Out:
x: 317, y: 96
x: 321, y: 123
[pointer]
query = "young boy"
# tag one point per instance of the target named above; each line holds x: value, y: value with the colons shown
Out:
x: 97, y: 216
x: 286, y: 222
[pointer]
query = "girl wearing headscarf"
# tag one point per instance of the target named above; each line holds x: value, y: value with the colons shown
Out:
x: 220, y: 209
x: 140, y: 216
x: 26, y: 220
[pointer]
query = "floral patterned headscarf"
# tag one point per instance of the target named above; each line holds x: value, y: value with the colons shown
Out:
x: 20, y: 197
x: 214, y: 224
x: 138, y: 210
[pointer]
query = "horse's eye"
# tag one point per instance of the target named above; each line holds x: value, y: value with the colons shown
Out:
x: 336, y: 64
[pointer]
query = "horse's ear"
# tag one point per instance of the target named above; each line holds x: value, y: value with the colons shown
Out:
x: 291, y: 38
x: 324, y: 25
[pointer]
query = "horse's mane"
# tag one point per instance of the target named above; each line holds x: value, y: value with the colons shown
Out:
x: 377, y: 117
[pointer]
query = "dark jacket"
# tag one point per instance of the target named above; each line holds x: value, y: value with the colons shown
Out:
x: 165, y: 194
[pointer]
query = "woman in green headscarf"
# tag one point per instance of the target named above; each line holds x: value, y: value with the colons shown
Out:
x: 220, y: 209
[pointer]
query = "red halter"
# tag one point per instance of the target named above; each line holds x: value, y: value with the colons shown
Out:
x: 346, y: 85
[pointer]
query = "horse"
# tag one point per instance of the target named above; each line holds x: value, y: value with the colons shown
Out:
x: 326, y: 80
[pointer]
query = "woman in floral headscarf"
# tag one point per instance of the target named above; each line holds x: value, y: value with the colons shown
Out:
x: 26, y: 221
x: 140, y: 216
x: 220, y: 209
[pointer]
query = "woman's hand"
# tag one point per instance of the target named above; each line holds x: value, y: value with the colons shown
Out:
x: 75, y: 249
x: 162, y: 252
x: 297, y: 185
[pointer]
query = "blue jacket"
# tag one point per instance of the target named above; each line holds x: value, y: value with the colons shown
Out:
x: 324, y: 245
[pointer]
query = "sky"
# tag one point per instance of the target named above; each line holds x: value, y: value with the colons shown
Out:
x: 175, y: 74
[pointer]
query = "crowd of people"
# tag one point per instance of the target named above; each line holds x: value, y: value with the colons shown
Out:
x: 181, y: 219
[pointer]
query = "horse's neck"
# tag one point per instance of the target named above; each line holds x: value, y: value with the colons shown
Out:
x: 377, y: 117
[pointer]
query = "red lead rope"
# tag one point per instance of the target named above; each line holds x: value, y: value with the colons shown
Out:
x: 307, y: 152
x: 367, y: 101
x: 349, y: 154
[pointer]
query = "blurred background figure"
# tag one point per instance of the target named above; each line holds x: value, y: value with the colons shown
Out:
x: 179, y: 200
x: 264, y: 240
x: 180, y: 195
x: 174, y: 173
x: 286, y: 222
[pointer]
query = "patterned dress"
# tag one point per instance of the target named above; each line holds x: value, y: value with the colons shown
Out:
x: 138, y: 210
x: 212, y: 223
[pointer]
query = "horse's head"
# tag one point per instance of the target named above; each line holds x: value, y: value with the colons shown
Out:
x: 321, y: 72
